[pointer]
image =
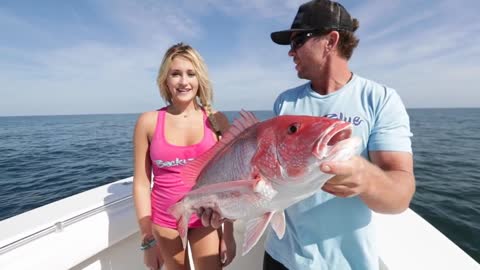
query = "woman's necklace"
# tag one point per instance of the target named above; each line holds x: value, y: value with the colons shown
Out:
x: 183, y: 114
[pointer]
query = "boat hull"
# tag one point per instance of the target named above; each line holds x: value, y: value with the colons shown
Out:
x: 97, y: 229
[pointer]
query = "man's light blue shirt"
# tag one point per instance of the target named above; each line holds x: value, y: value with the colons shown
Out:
x: 325, y: 231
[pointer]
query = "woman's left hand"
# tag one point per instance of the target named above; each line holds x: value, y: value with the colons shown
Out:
x: 228, y: 249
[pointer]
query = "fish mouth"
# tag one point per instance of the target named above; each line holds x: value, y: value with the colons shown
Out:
x: 327, y: 141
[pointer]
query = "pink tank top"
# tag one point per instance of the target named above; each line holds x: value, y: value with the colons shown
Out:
x: 167, y: 162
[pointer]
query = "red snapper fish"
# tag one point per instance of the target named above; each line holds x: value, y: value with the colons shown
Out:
x: 258, y: 169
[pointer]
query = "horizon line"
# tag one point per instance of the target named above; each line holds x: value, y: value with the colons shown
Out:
x: 256, y: 110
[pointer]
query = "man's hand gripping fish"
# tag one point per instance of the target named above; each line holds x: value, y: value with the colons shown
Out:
x: 260, y: 168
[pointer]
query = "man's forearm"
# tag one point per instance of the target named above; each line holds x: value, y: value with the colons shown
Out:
x: 389, y: 192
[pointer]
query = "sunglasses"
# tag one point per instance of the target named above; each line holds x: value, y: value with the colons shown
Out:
x: 299, y: 39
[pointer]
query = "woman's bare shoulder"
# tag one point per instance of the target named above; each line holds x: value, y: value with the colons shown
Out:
x: 147, y: 119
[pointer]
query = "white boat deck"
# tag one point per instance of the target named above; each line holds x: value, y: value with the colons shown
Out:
x: 97, y: 229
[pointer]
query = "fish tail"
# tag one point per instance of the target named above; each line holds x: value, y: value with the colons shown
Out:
x: 180, y: 212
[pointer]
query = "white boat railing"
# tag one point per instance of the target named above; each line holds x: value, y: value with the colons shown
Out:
x: 59, y: 226
x: 94, y: 229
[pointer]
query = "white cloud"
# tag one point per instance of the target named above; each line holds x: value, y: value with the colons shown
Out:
x: 427, y: 54
x: 151, y: 21
x: 250, y: 85
x: 416, y: 47
x: 246, y: 9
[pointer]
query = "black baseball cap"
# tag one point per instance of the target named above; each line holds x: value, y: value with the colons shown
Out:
x: 316, y: 15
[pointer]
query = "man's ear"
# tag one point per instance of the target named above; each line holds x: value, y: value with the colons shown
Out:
x: 332, y: 40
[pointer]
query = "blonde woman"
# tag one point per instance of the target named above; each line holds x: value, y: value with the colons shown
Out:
x: 164, y: 141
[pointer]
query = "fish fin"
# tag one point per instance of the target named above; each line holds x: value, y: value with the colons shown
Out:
x: 182, y: 216
x: 254, y: 230
x: 278, y: 223
x: 192, y: 169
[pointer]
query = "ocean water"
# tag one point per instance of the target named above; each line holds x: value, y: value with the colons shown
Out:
x: 47, y: 158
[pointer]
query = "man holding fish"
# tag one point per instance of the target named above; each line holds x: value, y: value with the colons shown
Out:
x: 332, y: 228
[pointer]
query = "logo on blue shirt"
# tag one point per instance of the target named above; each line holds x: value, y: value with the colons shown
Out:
x: 355, y: 120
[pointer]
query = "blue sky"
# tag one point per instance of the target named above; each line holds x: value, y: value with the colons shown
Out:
x: 102, y: 56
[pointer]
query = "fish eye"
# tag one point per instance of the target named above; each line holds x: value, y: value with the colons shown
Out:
x: 293, y: 128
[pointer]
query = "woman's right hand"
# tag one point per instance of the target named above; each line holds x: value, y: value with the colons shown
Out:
x: 211, y: 218
x: 152, y: 258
